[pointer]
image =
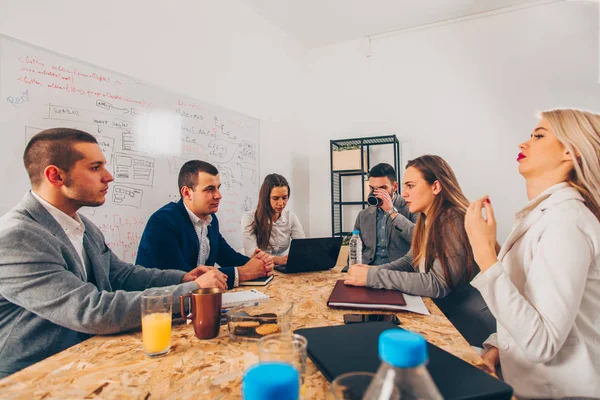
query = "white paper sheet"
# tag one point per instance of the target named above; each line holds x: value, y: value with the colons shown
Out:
x: 415, y: 304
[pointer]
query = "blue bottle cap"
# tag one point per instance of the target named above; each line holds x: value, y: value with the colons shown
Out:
x: 402, y: 349
x: 356, y: 232
x: 271, y: 381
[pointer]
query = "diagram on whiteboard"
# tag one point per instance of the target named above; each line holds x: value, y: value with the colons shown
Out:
x: 146, y: 134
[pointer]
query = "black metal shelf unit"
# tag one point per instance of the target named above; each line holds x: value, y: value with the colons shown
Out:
x: 364, y: 144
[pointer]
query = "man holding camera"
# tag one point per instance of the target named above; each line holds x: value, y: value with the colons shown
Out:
x: 386, y: 227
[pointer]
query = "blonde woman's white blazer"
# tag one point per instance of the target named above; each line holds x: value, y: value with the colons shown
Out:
x: 545, y: 294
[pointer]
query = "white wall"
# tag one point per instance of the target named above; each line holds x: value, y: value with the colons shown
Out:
x: 467, y: 92
x: 216, y: 51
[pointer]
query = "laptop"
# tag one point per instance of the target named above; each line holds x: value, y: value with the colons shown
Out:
x: 312, y: 254
x: 336, y: 350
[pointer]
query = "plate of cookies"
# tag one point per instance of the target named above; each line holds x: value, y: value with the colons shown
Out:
x: 256, y: 321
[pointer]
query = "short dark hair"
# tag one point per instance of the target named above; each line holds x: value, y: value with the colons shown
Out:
x: 188, y: 174
x: 383, y: 170
x: 53, y: 147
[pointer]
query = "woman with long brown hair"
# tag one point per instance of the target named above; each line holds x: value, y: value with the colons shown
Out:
x: 544, y: 285
x: 271, y: 227
x: 440, y: 263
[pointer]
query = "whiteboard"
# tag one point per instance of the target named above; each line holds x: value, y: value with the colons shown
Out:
x: 146, y: 134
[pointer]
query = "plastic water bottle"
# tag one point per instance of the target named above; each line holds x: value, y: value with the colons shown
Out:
x: 402, y: 374
x: 271, y: 381
x: 355, y: 248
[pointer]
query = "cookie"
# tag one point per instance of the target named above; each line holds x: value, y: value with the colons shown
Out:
x: 248, y: 324
x: 267, y: 315
x: 268, y: 320
x: 247, y: 332
x: 268, y: 329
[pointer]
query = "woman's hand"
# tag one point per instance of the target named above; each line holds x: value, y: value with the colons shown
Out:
x: 280, y: 260
x: 491, y: 358
x: 357, y: 275
x: 482, y: 232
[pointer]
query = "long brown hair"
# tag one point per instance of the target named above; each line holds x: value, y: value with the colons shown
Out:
x: 579, y: 132
x: 431, y: 239
x: 263, y: 217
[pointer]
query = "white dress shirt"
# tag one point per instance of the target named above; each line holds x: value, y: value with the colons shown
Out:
x: 201, y: 228
x: 286, y: 228
x: 73, y: 227
x: 545, y: 294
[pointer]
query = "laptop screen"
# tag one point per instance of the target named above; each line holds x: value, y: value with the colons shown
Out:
x: 313, y: 254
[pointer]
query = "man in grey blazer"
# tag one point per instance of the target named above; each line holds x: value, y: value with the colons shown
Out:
x: 59, y: 282
x: 386, y: 229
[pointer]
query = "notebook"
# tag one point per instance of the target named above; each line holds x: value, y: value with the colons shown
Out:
x: 336, y: 350
x: 344, y: 296
x: 258, y: 282
x: 238, y: 298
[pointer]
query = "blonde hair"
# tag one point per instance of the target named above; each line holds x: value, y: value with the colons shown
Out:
x: 579, y: 132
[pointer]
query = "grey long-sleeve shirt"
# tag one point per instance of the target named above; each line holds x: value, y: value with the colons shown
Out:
x: 402, y: 274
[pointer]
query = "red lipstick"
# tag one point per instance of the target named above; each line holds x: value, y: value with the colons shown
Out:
x: 520, y: 156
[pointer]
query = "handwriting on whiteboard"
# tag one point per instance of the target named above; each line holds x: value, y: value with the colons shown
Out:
x: 130, y: 120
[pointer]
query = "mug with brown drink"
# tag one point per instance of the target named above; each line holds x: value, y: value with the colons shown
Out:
x: 205, y: 311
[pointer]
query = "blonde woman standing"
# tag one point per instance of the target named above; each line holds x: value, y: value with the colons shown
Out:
x: 544, y: 285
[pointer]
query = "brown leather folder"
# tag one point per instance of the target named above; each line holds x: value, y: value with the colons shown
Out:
x: 344, y: 296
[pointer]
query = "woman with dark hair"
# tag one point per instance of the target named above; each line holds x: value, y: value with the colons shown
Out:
x: 440, y: 263
x: 271, y: 227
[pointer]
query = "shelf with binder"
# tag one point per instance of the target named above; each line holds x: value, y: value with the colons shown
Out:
x: 347, y: 158
x: 350, y: 159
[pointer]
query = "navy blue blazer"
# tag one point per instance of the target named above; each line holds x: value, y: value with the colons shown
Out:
x: 169, y: 241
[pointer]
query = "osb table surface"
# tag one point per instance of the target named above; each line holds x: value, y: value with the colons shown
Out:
x: 114, y: 367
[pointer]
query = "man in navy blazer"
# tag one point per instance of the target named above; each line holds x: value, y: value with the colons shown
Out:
x: 185, y: 234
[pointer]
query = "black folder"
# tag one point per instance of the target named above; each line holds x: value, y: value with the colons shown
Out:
x: 336, y: 350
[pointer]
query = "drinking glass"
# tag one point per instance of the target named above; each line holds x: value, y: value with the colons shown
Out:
x: 157, y: 306
x: 351, y: 386
x: 287, y: 348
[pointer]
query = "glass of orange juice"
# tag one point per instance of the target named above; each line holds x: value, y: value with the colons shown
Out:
x: 157, y: 306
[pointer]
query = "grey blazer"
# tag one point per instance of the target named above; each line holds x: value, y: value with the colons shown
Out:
x: 400, y: 231
x: 403, y: 275
x: 463, y: 305
x: 45, y: 304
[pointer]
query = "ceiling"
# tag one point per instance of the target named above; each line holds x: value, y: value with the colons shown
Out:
x: 317, y: 23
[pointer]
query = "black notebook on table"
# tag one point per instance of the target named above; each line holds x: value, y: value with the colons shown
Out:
x: 336, y: 350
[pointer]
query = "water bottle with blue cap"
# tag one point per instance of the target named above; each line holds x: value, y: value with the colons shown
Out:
x: 271, y: 381
x: 402, y: 374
